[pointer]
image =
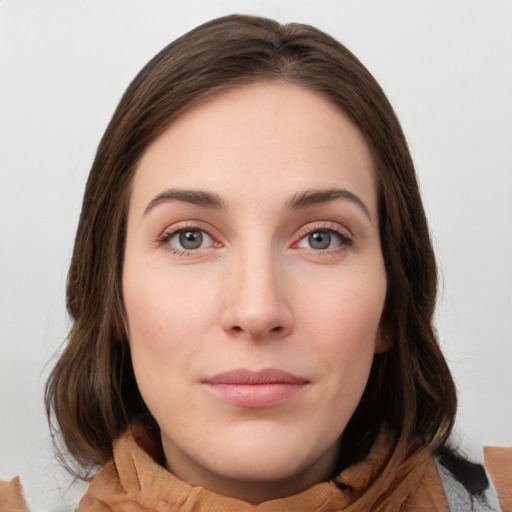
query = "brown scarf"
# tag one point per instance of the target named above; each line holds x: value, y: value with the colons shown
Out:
x: 134, y: 482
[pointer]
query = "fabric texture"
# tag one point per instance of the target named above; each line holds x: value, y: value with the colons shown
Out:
x: 498, y: 461
x: 11, y: 496
x: 134, y: 482
x: 459, y: 500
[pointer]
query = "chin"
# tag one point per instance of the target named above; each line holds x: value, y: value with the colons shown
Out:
x: 250, y: 466
x: 273, y: 458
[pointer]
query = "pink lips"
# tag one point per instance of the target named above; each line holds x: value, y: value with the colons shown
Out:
x: 264, y: 388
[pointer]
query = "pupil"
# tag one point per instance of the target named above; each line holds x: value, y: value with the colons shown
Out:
x: 320, y: 240
x: 191, y: 239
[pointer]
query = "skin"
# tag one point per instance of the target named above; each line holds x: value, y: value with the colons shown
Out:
x: 257, y: 292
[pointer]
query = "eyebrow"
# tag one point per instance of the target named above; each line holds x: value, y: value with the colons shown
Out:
x: 300, y: 200
x: 196, y: 197
x: 314, y: 197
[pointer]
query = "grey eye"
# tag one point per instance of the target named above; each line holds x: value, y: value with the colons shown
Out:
x: 191, y: 239
x: 323, y: 239
x: 319, y: 240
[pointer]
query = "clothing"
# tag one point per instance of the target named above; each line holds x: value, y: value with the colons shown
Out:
x: 134, y: 482
x: 11, y: 499
x: 458, y: 498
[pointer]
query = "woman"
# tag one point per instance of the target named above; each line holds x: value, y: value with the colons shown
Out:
x: 252, y: 288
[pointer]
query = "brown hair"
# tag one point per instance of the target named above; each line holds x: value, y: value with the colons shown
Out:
x: 92, y: 391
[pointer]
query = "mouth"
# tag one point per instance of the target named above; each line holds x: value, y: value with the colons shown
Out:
x: 255, y: 389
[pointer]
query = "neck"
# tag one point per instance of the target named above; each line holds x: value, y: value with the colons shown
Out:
x: 252, y: 489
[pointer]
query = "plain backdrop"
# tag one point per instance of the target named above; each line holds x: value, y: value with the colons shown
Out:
x: 446, y: 66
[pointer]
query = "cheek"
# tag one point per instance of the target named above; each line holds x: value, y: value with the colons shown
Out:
x: 163, y: 307
x: 343, y: 324
x: 348, y: 313
x: 158, y: 345
x: 165, y: 327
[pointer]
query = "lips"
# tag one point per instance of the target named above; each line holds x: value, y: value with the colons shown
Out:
x: 260, y: 389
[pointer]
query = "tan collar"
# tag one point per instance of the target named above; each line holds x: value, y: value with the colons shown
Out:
x: 135, y: 482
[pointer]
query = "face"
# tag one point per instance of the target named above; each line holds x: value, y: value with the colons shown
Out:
x: 254, y: 284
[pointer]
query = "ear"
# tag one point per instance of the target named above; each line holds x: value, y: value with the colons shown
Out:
x: 383, y: 340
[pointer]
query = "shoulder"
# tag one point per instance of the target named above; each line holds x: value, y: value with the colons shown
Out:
x: 498, y: 461
x: 11, y: 496
x: 472, y: 486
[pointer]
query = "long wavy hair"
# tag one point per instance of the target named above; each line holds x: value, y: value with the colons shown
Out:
x: 91, y: 394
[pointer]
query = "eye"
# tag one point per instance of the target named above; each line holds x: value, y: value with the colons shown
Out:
x: 323, y: 239
x: 186, y: 240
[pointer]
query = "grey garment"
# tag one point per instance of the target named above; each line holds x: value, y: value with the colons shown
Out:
x: 460, y: 500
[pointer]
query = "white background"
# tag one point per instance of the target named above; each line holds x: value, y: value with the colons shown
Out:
x: 446, y: 66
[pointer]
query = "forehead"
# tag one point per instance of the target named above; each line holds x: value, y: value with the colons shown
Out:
x: 273, y: 132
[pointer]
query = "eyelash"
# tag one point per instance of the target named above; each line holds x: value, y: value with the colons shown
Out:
x: 344, y: 240
x: 164, y: 240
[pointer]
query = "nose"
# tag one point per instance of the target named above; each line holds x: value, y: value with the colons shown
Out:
x: 257, y: 298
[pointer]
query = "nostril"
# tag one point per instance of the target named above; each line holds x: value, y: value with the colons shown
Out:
x: 258, y: 331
